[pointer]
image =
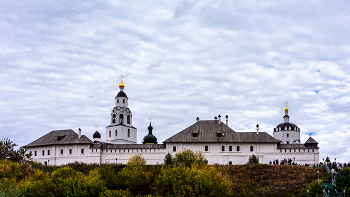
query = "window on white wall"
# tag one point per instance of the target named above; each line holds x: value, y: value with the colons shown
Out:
x: 238, y: 148
x: 61, y: 151
x: 206, y: 148
x: 70, y: 151
x: 34, y: 153
x: 222, y: 148
x: 174, y: 148
x: 230, y: 148
x: 43, y: 152
x: 110, y: 134
x: 82, y: 151
x: 48, y: 152
x: 116, y: 133
x: 251, y: 148
x: 287, y: 134
x: 128, y: 132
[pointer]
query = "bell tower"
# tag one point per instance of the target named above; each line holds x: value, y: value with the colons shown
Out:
x: 120, y: 130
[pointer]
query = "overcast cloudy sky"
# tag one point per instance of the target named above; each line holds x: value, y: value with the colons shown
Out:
x: 61, y: 61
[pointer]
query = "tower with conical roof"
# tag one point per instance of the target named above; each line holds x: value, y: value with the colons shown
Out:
x: 120, y: 130
x: 287, y: 132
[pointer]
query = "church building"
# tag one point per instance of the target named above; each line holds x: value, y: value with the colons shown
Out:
x: 219, y: 143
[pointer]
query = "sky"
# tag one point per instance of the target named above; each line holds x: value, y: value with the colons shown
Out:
x: 61, y: 62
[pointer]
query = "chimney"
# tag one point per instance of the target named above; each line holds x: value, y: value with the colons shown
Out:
x: 79, y: 134
x: 197, y: 119
x: 219, y: 118
x: 257, y: 129
x: 226, y: 120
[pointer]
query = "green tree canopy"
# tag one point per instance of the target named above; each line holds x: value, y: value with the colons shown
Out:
x: 253, y: 159
x: 187, y: 157
x: 168, y: 159
x: 7, y: 151
x: 343, y: 180
x: 137, y: 160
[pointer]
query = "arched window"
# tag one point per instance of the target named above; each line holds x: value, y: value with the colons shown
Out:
x: 222, y: 148
x: 251, y: 148
x: 117, y: 100
x: 121, y: 117
x: 116, y: 133
x: 238, y: 148
x: 113, y: 118
x: 110, y: 133
x: 230, y: 163
x: 123, y: 100
x: 206, y: 148
x: 174, y: 148
x: 128, y: 119
x: 128, y: 132
x: 230, y: 148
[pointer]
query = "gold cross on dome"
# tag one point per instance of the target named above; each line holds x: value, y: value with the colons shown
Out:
x: 121, y: 77
x: 150, y: 119
x: 286, y: 103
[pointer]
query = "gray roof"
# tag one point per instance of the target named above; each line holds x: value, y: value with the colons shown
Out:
x: 128, y: 146
x: 208, y: 131
x: 60, y: 137
x: 294, y: 146
x: 311, y: 141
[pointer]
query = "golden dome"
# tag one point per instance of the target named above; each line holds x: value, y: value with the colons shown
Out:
x: 121, y: 85
x: 286, y: 107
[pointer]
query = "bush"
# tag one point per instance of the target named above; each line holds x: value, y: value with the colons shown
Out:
x: 135, y: 179
x: 343, y: 180
x: 168, y: 159
x: 315, y: 188
x: 39, y: 184
x: 8, y: 188
x: 187, y: 157
x: 116, y: 193
x: 253, y: 160
x: 195, y: 181
x: 136, y: 160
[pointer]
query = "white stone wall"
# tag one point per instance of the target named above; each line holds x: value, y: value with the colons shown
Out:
x: 121, y: 156
x: 266, y: 152
x: 122, y: 135
x: 56, y: 158
x: 119, y: 101
x: 282, y: 135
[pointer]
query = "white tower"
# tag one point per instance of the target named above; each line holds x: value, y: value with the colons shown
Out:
x: 287, y: 132
x: 121, y: 131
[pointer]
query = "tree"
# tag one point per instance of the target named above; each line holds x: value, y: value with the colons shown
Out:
x: 253, y: 160
x: 343, y: 180
x: 168, y: 159
x: 187, y: 157
x: 315, y: 189
x: 137, y: 160
x: 7, y: 151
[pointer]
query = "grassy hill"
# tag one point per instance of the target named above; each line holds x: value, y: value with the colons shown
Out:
x: 160, y: 180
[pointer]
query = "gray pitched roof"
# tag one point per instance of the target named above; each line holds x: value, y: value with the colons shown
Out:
x: 60, y: 137
x: 311, y: 141
x: 209, y: 131
x: 294, y: 146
